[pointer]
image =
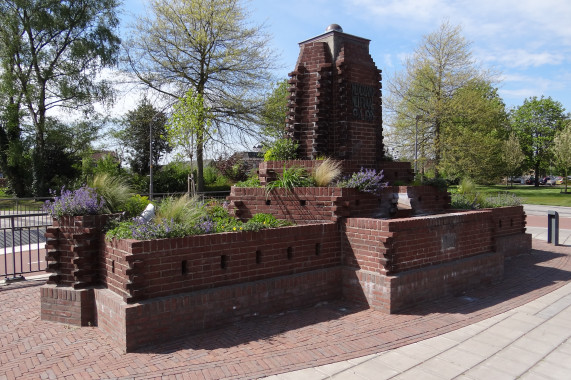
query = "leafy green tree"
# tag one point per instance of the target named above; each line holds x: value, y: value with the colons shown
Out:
x: 472, y: 135
x: 512, y: 156
x: 65, y: 146
x: 207, y: 46
x: 188, y: 129
x: 440, y: 66
x: 274, y: 112
x: 15, y: 160
x: 138, y: 125
x: 562, y: 150
x: 54, y: 51
x: 536, y: 123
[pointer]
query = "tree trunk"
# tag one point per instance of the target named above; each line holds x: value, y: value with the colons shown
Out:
x: 200, y: 165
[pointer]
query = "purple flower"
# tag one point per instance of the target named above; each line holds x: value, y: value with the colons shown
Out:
x: 83, y: 201
x: 367, y: 180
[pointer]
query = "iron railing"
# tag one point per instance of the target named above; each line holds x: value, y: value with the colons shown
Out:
x: 22, y: 238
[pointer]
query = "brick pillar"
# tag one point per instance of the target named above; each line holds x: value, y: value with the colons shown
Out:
x: 335, y: 100
x: 72, y: 244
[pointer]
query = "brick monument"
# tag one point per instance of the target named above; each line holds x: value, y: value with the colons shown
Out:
x: 335, y: 106
x: 344, y: 244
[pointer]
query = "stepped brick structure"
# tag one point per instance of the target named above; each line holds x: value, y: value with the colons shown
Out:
x: 387, y: 251
x: 335, y: 107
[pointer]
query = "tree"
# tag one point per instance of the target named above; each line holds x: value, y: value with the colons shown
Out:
x: 440, y: 66
x: 206, y: 46
x: 535, y: 123
x: 512, y: 156
x: 138, y: 125
x: 65, y: 145
x: 274, y: 112
x: 54, y: 52
x: 473, y: 132
x: 188, y: 127
x: 562, y: 150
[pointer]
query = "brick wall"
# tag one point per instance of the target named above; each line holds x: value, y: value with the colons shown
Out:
x: 72, y: 245
x: 391, y: 264
x: 148, y: 291
x: 305, y: 204
x: 138, y: 270
x: 392, y: 171
x: 67, y: 305
x: 178, y: 315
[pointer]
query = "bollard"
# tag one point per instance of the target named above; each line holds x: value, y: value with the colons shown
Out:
x: 553, y: 227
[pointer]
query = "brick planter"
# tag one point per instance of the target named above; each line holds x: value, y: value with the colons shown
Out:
x: 310, y: 204
x: 144, y: 292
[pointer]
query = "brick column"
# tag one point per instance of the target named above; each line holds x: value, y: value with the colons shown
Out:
x: 72, y: 245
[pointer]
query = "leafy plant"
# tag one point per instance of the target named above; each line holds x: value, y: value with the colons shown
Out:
x: 464, y: 201
x: 182, y: 210
x: 290, y: 178
x: 327, y: 172
x: 114, y: 190
x: 253, y: 181
x: 83, y: 201
x: 366, y: 180
x: 439, y: 183
x: 135, y: 205
x: 281, y: 150
x: 466, y: 186
x: 502, y: 200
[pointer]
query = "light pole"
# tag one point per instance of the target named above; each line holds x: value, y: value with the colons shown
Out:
x: 417, y: 118
x: 151, y: 158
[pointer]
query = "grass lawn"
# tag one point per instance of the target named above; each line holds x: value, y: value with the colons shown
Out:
x: 542, y: 195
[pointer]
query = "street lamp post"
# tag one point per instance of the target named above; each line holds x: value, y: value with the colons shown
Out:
x: 417, y: 118
x: 151, y: 158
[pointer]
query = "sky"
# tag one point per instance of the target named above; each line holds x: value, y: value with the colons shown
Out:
x: 528, y: 42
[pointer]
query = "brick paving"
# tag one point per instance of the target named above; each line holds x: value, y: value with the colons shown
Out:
x: 261, y: 346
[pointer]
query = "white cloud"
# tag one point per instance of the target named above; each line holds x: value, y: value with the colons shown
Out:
x: 523, y: 59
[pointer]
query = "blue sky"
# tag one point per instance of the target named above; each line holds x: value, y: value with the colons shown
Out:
x: 527, y: 41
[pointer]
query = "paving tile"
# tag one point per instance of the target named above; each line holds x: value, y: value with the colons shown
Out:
x: 479, y: 347
x: 370, y: 370
x: 442, y: 368
x: 417, y: 374
x: 439, y: 343
x: 334, y: 368
x: 486, y: 372
x: 550, y: 371
x: 303, y: 374
x: 397, y: 360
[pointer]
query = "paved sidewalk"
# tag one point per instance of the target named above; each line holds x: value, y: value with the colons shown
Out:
x: 532, y: 341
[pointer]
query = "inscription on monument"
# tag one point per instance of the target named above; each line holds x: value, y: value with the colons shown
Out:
x: 362, y: 98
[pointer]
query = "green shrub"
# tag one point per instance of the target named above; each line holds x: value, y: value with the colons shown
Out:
x: 470, y: 201
x: 439, y: 183
x: 252, y: 181
x: 290, y: 178
x: 135, y: 205
x: 466, y: 186
x: 281, y: 150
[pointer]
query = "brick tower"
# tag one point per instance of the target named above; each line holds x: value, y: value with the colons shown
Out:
x: 335, y: 100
